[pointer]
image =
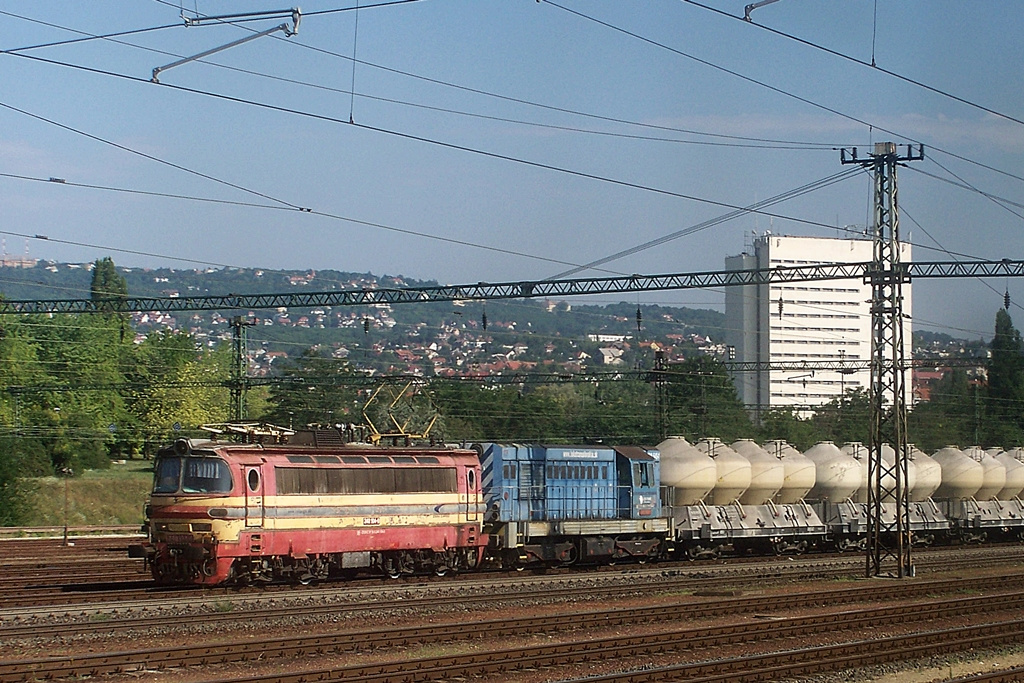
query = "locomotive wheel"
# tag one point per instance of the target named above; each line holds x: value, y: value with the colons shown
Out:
x: 392, y: 568
x: 470, y: 558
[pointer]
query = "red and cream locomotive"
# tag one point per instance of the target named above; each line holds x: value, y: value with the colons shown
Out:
x: 310, y: 508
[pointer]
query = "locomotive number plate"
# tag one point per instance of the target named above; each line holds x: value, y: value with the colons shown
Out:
x: 371, y: 521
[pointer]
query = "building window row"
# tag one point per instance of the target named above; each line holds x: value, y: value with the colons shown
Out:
x: 833, y: 356
x: 844, y: 290
x: 830, y: 342
x: 793, y: 328
x: 818, y: 302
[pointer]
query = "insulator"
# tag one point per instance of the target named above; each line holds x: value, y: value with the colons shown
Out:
x: 366, y: 326
x: 483, y: 319
x: 780, y: 306
x: 639, y: 318
x: 1006, y: 300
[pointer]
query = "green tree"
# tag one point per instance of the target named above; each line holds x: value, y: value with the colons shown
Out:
x: 701, y: 401
x: 315, y: 388
x: 1005, y: 401
x: 80, y: 395
x: 15, y: 488
x: 845, y: 418
x: 951, y: 416
x: 173, y: 382
x: 786, y: 424
x: 107, y: 285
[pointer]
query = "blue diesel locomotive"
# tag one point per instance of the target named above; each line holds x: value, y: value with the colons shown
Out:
x: 563, y: 504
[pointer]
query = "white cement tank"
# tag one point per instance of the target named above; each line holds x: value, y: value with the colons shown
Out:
x: 798, y: 472
x: 929, y: 475
x: 837, y: 474
x: 961, y: 476
x: 994, y: 473
x: 1014, y: 474
x: 733, y: 471
x: 691, y: 473
x: 859, y: 452
x: 767, y: 474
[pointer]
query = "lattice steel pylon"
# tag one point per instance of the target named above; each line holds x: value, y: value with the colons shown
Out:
x: 239, y: 367
x: 889, y: 536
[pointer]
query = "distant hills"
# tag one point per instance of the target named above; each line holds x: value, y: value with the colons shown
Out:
x: 424, y: 338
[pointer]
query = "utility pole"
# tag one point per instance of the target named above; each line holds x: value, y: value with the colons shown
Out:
x: 659, y: 379
x: 239, y: 367
x: 889, y: 541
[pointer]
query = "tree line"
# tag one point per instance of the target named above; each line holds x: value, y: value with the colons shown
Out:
x: 77, y: 392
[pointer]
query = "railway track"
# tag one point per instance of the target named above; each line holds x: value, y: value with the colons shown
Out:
x: 809, y: 661
x: 538, y: 594
x: 664, y: 642
x: 1012, y: 675
x: 137, y: 590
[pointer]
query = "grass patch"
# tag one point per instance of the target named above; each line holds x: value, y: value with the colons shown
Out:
x: 223, y: 606
x: 97, y: 497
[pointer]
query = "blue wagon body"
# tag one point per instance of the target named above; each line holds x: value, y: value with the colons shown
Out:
x: 560, y: 503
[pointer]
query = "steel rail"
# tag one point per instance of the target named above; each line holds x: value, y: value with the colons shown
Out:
x: 472, y: 592
x: 77, y: 598
x: 1011, y: 675
x: 483, y: 291
x: 817, y: 660
x: 184, y: 656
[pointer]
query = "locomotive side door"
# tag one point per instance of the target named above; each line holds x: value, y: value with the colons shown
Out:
x: 253, y: 496
x: 472, y: 495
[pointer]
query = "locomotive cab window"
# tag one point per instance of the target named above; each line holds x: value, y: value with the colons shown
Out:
x: 168, y: 475
x: 642, y: 474
x: 192, y: 475
x: 206, y: 475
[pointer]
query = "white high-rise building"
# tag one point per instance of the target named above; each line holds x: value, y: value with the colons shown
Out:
x: 815, y: 321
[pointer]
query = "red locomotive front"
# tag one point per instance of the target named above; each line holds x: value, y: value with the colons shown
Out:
x: 249, y: 512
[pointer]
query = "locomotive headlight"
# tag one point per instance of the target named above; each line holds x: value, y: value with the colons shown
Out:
x: 202, y: 526
x: 218, y: 513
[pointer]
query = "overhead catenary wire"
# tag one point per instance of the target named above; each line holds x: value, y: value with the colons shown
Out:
x: 338, y: 217
x: 746, y: 141
x: 768, y: 86
x: 789, y: 194
x: 855, y: 60
x: 395, y: 133
x: 579, y: 113
x: 774, y: 143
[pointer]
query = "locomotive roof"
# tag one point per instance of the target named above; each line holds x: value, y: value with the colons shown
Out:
x: 347, y: 454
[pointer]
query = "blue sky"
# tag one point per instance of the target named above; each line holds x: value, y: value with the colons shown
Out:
x: 519, y: 126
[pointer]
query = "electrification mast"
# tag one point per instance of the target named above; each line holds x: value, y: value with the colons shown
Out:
x: 239, y: 369
x: 889, y: 537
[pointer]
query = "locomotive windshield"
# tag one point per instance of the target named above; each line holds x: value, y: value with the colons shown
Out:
x: 191, y: 475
